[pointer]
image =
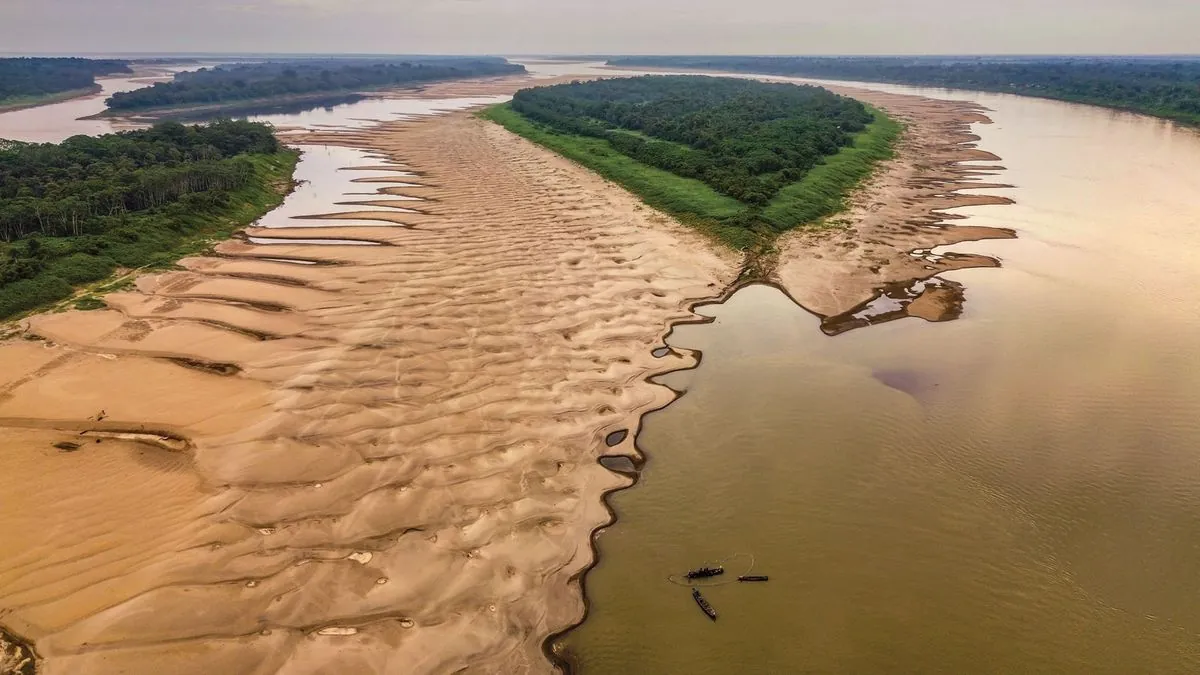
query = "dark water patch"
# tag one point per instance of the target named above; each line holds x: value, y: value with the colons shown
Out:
x: 661, y: 352
x: 620, y: 464
x: 212, y: 367
x: 616, y: 438
x: 914, y: 383
x: 930, y: 299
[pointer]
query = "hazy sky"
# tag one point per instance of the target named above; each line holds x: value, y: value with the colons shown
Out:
x: 603, y: 26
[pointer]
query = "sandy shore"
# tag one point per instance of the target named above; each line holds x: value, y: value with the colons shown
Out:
x: 385, y: 462
x: 884, y: 242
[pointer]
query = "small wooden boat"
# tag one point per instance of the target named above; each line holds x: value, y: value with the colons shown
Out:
x: 752, y: 577
x: 705, y: 572
x: 707, y: 608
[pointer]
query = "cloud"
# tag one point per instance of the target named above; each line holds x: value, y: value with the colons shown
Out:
x: 599, y: 26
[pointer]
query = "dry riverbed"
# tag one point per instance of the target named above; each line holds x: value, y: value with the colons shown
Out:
x: 385, y: 461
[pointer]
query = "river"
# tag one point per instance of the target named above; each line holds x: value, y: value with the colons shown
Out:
x: 1015, y: 491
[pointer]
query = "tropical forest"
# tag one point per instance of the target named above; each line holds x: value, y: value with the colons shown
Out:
x: 742, y: 159
x: 1167, y: 88
x: 273, y: 80
x: 74, y: 212
x: 30, y: 79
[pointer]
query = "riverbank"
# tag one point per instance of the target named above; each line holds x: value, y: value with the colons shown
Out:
x: 821, y: 192
x: 23, y: 103
x: 883, y: 245
x: 74, y: 270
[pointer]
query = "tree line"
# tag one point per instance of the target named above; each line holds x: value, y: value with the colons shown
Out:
x: 249, y: 81
x: 34, y: 77
x: 1168, y: 88
x: 743, y: 138
x: 73, y: 212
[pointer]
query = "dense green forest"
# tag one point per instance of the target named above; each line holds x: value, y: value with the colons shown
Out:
x: 743, y: 138
x: 741, y: 159
x: 32, y: 78
x: 72, y: 213
x: 252, y: 81
x: 1159, y: 87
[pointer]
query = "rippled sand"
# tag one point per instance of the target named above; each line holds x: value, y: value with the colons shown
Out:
x: 383, y: 460
x: 887, y: 236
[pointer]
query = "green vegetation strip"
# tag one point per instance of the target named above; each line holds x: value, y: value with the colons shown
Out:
x: 820, y: 193
x: 74, y: 214
x: 686, y: 198
x: 823, y: 191
x: 290, y: 79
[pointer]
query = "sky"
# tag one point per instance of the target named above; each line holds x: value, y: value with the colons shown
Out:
x: 603, y: 26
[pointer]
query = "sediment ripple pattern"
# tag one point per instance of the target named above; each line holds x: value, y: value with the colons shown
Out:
x: 383, y: 461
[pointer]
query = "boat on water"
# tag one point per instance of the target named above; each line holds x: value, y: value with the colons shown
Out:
x: 707, y: 608
x: 705, y: 572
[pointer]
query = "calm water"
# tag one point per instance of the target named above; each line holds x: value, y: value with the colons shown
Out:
x: 1014, y: 492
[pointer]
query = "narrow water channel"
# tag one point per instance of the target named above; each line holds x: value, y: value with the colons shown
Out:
x: 1017, y: 491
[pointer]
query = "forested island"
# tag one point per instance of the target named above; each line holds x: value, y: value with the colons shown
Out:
x: 1160, y: 87
x: 74, y: 212
x: 740, y: 159
x: 297, y: 81
x: 28, y: 81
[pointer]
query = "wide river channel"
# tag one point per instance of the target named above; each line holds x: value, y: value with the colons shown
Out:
x: 1017, y: 491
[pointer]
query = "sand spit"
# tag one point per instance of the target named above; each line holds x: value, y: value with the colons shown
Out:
x: 383, y: 462
x: 882, y: 248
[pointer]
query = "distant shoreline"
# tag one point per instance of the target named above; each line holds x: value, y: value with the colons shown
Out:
x: 48, y: 99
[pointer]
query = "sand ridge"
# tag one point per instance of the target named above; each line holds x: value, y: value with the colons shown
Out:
x: 389, y: 458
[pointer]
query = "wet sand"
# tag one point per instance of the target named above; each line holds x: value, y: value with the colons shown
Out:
x: 384, y: 461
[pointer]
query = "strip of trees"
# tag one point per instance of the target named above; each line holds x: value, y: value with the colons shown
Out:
x: 1168, y: 88
x: 745, y: 139
x: 72, y: 212
x: 253, y: 81
x: 34, y: 77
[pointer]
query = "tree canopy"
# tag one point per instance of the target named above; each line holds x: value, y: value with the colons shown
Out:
x: 34, y: 77
x: 251, y: 81
x: 1168, y: 88
x: 72, y: 212
x: 743, y: 138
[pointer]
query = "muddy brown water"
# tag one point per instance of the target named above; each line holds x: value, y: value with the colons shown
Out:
x: 1017, y: 491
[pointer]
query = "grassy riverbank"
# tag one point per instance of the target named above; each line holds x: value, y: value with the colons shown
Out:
x: 22, y: 102
x: 149, y: 240
x: 820, y: 193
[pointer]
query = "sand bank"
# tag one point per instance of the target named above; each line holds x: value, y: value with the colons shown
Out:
x: 883, y: 244
x: 385, y: 462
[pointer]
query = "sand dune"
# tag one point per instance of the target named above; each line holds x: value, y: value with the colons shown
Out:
x: 390, y: 458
